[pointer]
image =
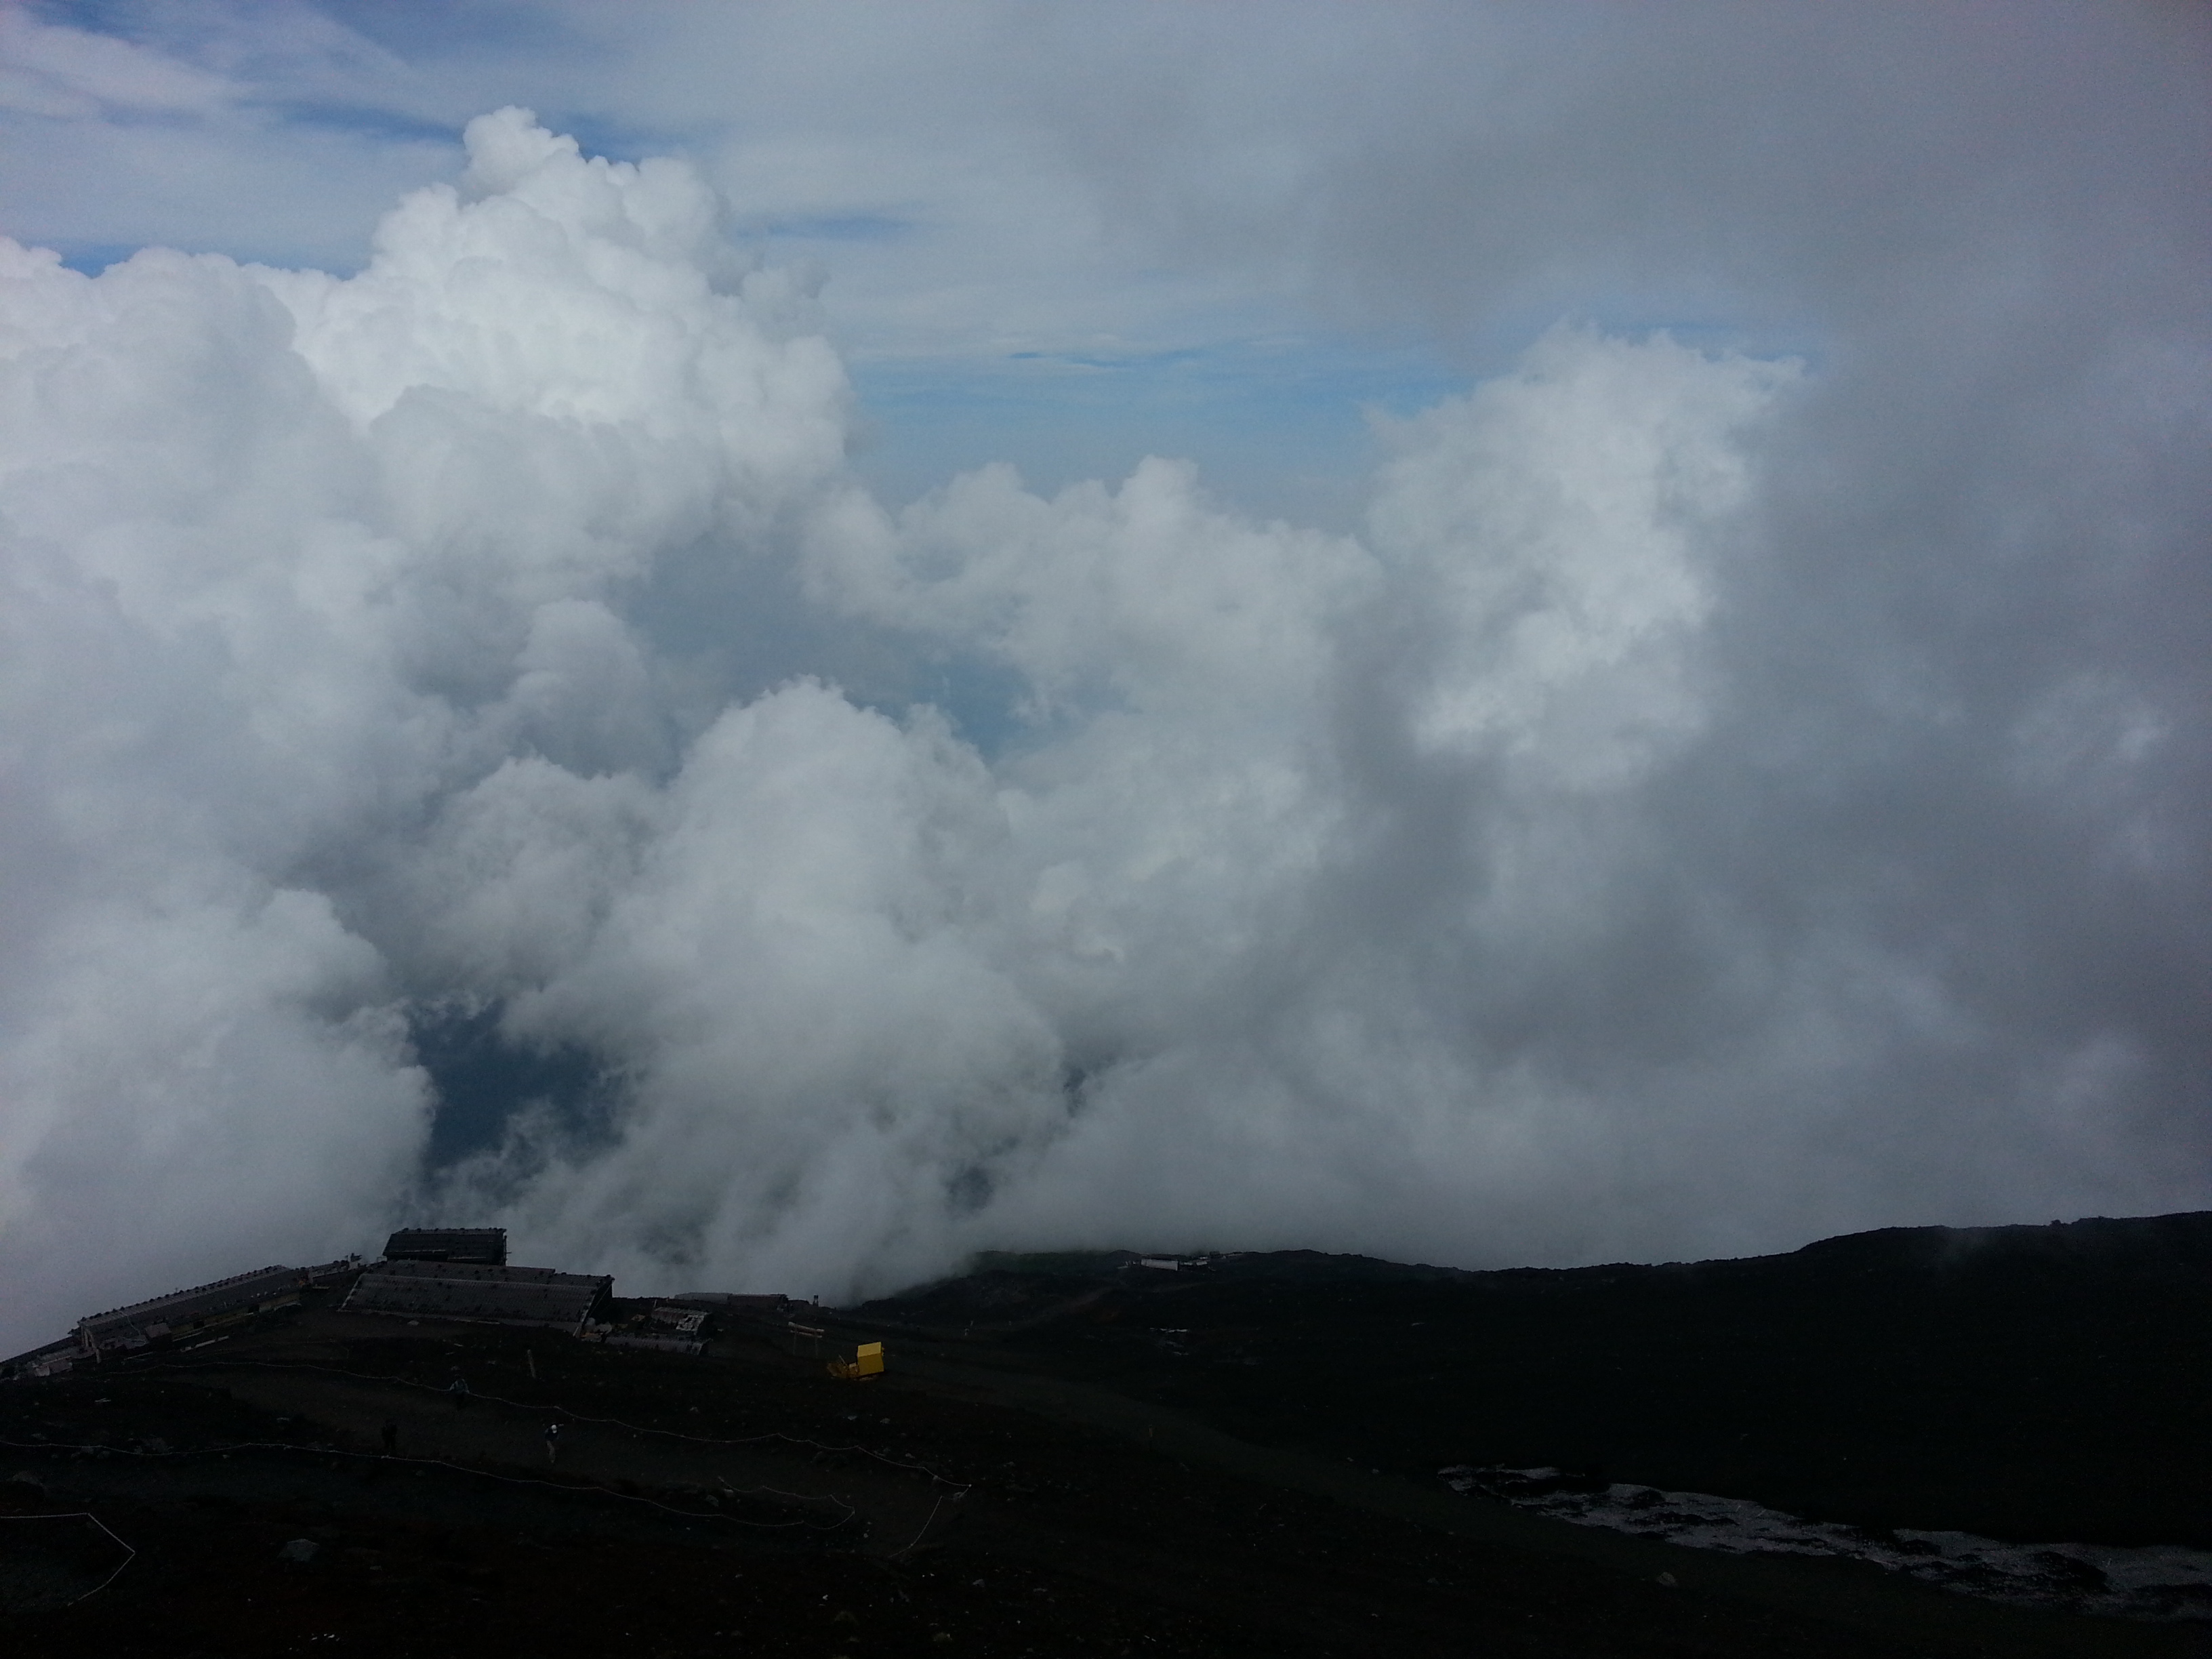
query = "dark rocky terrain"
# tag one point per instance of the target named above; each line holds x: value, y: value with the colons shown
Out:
x: 2025, y: 1383
x: 1076, y: 1455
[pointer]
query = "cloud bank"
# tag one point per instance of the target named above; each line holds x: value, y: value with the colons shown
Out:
x: 1697, y: 811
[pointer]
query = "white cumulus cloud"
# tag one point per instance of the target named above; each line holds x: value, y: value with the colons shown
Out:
x: 1630, y: 842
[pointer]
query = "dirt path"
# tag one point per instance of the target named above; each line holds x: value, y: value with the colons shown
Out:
x: 894, y: 1505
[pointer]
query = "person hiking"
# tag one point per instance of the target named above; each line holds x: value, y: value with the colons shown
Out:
x: 552, y: 1443
x: 391, y: 1436
x: 459, y: 1389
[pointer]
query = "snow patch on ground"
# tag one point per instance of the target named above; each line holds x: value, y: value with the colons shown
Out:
x: 2158, y: 1582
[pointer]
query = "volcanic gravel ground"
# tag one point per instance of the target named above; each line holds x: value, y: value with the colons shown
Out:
x: 1049, y: 1538
x: 2033, y: 1384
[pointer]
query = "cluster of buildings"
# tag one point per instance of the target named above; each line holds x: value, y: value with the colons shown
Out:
x: 425, y: 1273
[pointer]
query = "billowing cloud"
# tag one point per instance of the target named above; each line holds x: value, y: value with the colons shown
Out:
x: 290, y: 560
x: 1697, y: 809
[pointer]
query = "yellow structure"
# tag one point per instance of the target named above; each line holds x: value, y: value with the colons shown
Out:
x: 867, y: 1360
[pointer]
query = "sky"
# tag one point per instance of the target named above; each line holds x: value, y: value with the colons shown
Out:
x: 775, y: 644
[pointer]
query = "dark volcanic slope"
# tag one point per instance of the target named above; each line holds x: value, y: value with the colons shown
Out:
x: 2032, y: 1383
x: 1047, y: 1482
x: 747, y: 1504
